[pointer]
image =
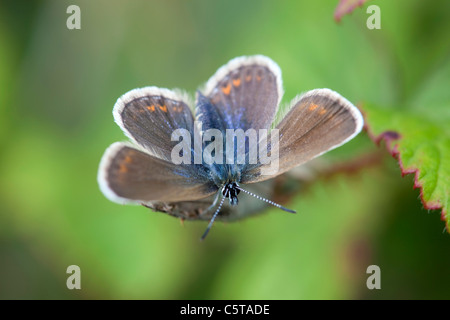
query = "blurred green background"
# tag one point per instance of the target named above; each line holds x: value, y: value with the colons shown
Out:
x: 57, y: 90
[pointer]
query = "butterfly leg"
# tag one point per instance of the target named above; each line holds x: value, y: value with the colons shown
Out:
x: 209, y: 209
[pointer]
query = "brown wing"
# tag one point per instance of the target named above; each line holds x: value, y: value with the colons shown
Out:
x: 128, y: 175
x: 317, y: 122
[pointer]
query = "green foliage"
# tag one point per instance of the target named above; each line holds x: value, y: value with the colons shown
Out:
x: 422, y: 122
x: 422, y: 148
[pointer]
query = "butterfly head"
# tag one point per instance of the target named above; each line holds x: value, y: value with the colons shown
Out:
x: 231, y: 191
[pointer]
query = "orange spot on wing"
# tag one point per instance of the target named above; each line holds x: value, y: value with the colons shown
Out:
x: 236, y: 82
x: 151, y: 108
x: 322, y: 111
x: 313, y: 107
x: 258, y: 77
x: 127, y: 159
x: 163, y: 108
x: 123, y: 168
x: 226, y: 89
x: 248, y: 78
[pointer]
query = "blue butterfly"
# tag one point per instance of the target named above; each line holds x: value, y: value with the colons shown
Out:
x: 243, y: 94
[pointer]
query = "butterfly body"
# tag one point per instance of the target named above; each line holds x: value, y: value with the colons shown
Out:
x: 231, y: 191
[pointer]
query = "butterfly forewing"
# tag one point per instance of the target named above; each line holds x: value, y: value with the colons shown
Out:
x: 243, y: 94
x: 150, y: 115
x: 317, y: 122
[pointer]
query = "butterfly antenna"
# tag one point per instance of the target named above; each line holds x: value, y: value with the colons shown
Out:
x: 212, y: 219
x: 266, y: 200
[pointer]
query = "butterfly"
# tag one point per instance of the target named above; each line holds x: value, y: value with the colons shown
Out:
x: 245, y: 95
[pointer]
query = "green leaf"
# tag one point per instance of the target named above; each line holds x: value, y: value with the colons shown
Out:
x: 419, y: 137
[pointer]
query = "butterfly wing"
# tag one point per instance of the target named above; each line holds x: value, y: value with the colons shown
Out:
x: 243, y: 94
x: 318, y: 121
x: 129, y: 175
x: 148, y: 116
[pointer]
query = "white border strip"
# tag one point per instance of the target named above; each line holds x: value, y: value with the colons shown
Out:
x: 102, y: 176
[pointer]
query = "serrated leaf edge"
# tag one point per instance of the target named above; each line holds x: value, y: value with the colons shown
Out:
x: 391, y: 138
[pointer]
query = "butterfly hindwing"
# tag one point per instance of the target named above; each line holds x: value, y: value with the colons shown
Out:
x: 129, y: 175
